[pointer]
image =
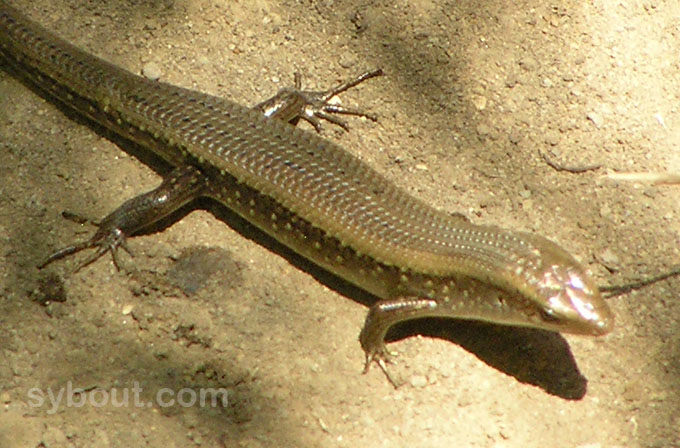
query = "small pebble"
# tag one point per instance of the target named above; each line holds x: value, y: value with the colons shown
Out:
x: 421, y: 167
x: 190, y: 420
x: 552, y: 138
x: 660, y: 120
x: 100, y: 439
x: 465, y: 400
x: 127, y: 309
x: 152, y: 71
x: 483, y: 129
x: 605, y: 211
x: 5, y: 397
x: 514, y: 137
x: 528, y: 64
x: 53, y: 437
x: 634, y: 391
x: 595, y: 118
x: 479, y: 102
x: 610, y: 260
x: 348, y: 60
x: 419, y: 381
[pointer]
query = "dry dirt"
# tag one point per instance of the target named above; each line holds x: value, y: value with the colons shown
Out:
x: 475, y: 92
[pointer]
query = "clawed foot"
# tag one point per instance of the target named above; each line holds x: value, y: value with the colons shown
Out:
x: 104, y: 240
x: 318, y: 107
x: 378, y: 353
x: 292, y: 104
x: 383, y: 315
x: 180, y: 186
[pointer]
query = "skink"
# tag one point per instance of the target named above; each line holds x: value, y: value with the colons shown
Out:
x: 312, y: 196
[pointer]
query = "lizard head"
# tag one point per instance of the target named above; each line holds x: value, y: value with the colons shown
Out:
x: 563, y: 295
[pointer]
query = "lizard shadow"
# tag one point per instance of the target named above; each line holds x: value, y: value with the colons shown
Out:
x: 537, y: 357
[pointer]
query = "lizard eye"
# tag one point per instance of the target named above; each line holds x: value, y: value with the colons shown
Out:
x: 548, y: 315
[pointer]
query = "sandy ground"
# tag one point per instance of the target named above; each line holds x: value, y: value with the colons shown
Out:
x: 475, y: 92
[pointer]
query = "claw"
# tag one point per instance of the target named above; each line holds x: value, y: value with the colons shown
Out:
x: 64, y: 252
x: 312, y: 116
x: 330, y: 93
